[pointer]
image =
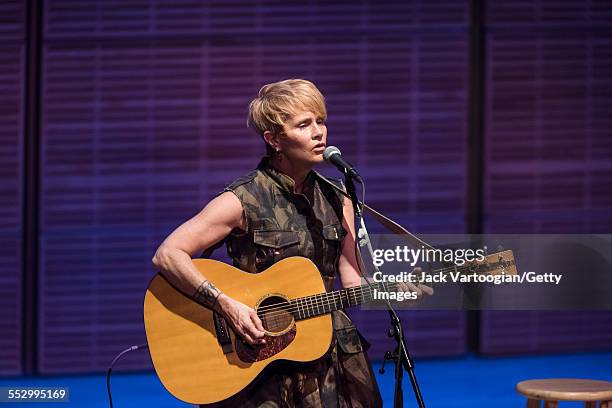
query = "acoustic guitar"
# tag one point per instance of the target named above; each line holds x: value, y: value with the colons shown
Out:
x: 199, y: 359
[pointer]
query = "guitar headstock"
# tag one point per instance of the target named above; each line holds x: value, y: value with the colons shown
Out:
x: 496, y: 264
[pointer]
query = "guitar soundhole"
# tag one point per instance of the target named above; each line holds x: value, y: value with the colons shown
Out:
x: 275, y: 314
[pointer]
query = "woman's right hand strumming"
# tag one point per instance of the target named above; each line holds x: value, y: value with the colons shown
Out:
x: 243, y: 319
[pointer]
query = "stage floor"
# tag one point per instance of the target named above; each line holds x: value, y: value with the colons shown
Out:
x: 468, y: 381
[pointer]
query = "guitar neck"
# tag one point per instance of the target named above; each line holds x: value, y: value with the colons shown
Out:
x: 316, y: 305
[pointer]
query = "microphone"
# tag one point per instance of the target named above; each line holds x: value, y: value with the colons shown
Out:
x: 332, y: 155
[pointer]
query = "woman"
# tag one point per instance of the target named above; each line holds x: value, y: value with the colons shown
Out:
x: 282, y: 209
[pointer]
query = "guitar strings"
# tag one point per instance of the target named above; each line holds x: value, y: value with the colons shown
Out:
x: 322, y: 297
x: 321, y: 300
x: 275, y: 317
x: 355, y: 288
x: 309, y: 303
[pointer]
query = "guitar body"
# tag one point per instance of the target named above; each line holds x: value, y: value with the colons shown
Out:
x: 199, y: 364
x: 183, y: 343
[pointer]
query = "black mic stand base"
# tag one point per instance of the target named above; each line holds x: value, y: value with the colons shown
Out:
x: 403, y: 361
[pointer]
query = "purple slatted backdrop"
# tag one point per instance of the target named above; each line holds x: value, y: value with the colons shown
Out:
x: 12, y: 68
x: 144, y: 109
x: 549, y: 149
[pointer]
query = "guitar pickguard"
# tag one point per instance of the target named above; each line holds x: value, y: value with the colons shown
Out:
x: 273, y: 346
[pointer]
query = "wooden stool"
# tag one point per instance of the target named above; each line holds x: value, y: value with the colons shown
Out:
x: 552, y: 391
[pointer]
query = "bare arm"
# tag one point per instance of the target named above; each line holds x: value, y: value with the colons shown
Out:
x: 173, y: 260
x: 348, y: 264
x: 209, y: 226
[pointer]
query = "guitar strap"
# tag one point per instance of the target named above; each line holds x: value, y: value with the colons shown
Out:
x: 396, y: 228
x: 386, y: 222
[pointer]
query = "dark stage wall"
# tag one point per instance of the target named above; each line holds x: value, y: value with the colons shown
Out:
x: 548, y: 149
x: 12, y: 89
x: 143, y: 111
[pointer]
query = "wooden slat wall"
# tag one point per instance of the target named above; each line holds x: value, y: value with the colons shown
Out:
x: 122, y: 139
x: 12, y: 69
x: 144, y: 121
x: 549, y: 149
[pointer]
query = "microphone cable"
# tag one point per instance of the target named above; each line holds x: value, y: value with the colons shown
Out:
x: 108, y: 373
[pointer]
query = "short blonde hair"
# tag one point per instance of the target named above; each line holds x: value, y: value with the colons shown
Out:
x: 279, y: 101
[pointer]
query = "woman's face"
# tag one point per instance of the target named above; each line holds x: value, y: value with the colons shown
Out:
x: 305, y: 138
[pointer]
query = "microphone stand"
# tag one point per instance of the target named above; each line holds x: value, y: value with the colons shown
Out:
x: 400, y: 355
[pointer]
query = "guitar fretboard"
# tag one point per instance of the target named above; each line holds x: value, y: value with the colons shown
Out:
x: 316, y: 305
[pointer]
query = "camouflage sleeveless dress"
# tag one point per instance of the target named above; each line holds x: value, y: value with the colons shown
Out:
x: 280, y: 224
